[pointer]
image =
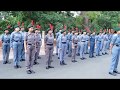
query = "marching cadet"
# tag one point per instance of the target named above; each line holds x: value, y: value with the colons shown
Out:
x: 102, y: 42
x: 68, y: 41
x: 38, y: 45
x: 104, y: 50
x: 70, y: 44
x: 15, y: 44
x: 109, y: 39
x: 57, y: 43
x: 92, y: 45
x: 86, y: 43
x: 82, y: 45
x: 62, y: 47
x: 78, y: 47
x: 115, y: 50
x: 49, y: 45
x: 74, y: 46
x: 5, y: 38
x: 98, y: 44
x: 22, y: 31
x: 30, y: 48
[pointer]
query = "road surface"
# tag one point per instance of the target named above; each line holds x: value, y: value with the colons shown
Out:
x: 96, y: 68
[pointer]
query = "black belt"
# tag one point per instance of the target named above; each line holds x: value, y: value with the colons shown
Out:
x: 17, y: 41
x: 82, y: 41
x: 118, y: 45
x: 99, y: 41
x: 6, y: 42
x: 63, y: 42
x: 50, y: 44
x: 75, y: 43
x: 30, y: 44
x: 87, y: 40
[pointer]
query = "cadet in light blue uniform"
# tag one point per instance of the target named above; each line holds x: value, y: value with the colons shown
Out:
x: 68, y: 41
x: 98, y: 44
x: 102, y: 42
x: 15, y: 44
x: 79, y: 41
x: 92, y: 45
x: 104, y: 50
x: 22, y: 31
x: 62, y: 47
x: 70, y: 44
x: 82, y: 46
x: 109, y: 40
x: 5, y: 38
x: 115, y: 47
x: 86, y: 43
x: 57, y: 43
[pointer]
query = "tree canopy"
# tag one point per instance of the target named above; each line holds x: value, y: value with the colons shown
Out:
x: 91, y: 19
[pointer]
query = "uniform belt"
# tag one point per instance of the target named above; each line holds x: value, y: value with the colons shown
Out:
x: 6, y: 42
x: 75, y: 43
x: 50, y: 44
x: 17, y: 41
x: 86, y: 40
x: 98, y: 40
x: 63, y: 42
x: 30, y: 44
x: 82, y: 41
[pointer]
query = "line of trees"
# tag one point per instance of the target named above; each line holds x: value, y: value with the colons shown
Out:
x: 87, y: 19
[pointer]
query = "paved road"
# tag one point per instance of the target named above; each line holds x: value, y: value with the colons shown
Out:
x: 83, y: 69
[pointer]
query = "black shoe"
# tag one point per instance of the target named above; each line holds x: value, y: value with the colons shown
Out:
x: 73, y: 60
x: 66, y: 52
x: 103, y: 54
x: 87, y: 53
x: 69, y: 55
x: 5, y: 62
x: 32, y: 71
x: 94, y: 56
x: 61, y: 63
x: 18, y: 66
x: 47, y: 67
x: 15, y: 67
x: 90, y: 57
x: 56, y: 53
x: 35, y: 63
x: 58, y: 58
x: 64, y: 63
x: 82, y: 58
x: 50, y: 66
x: 23, y: 59
x: 106, y: 53
x: 114, y: 74
x: 28, y: 71
x: 8, y: 62
x: 39, y: 57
